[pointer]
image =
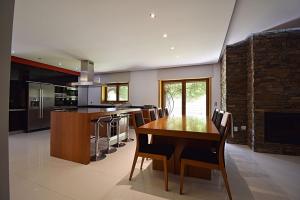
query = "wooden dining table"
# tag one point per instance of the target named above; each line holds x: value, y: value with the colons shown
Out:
x: 182, y: 131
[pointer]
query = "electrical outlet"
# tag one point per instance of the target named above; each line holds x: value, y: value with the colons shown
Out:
x: 243, y: 128
x: 235, y: 129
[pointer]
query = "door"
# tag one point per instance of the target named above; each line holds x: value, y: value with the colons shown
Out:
x: 186, y: 97
x: 48, y: 101
x: 34, y: 106
x: 172, y: 97
x: 196, y: 98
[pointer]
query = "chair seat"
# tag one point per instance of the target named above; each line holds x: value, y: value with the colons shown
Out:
x: 199, y: 155
x: 159, y: 149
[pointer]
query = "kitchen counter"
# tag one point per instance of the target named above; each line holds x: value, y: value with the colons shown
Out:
x: 71, y: 131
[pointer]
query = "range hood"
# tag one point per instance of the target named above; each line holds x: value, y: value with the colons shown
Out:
x: 86, y: 75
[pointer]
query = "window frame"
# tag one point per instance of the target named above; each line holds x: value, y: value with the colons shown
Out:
x: 183, y: 82
x: 117, y: 85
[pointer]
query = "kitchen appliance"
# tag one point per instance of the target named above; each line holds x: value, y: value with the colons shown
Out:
x: 40, y: 104
x: 87, y: 75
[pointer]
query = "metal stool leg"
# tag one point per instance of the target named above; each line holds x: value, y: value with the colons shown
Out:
x: 119, y: 144
x: 128, y: 139
x: 98, y: 154
x: 108, y: 132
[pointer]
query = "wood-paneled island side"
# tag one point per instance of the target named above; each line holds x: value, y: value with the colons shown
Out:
x: 71, y: 131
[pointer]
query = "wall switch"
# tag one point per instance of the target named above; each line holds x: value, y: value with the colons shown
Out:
x: 243, y: 128
x: 235, y: 129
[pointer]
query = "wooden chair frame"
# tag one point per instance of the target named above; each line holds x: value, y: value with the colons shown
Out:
x: 220, y: 166
x: 137, y: 154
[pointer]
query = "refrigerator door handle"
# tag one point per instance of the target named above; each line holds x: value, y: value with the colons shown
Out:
x: 40, y: 103
x: 42, y: 107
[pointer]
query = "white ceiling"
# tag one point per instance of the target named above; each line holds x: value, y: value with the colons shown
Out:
x: 252, y: 16
x: 119, y: 35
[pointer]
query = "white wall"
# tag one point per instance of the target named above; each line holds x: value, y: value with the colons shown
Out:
x: 143, y: 88
x: 143, y: 85
x: 6, y: 22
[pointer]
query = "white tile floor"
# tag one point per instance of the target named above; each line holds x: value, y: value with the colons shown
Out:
x: 34, y: 175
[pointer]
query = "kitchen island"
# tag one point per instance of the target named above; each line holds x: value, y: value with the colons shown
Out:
x: 71, y: 131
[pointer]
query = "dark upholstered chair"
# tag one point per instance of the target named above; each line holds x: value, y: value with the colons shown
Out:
x: 154, y: 151
x: 214, y: 116
x: 219, y: 119
x: 166, y: 111
x: 152, y: 115
x: 160, y: 113
x: 207, y: 158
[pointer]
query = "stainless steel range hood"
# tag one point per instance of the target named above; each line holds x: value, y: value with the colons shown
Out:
x: 86, y: 74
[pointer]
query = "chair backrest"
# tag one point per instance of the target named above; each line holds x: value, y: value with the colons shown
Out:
x: 219, y: 119
x: 214, y: 117
x: 152, y: 115
x: 160, y: 113
x: 225, y: 128
x: 166, y: 112
x: 138, y: 120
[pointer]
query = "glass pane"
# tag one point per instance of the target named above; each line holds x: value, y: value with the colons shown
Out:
x: 173, y: 97
x: 196, y: 98
x: 111, y: 93
x: 123, y: 93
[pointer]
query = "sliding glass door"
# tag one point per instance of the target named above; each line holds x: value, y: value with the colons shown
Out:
x: 186, y: 97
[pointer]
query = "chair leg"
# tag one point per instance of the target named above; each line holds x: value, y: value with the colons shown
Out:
x: 182, y: 168
x: 142, y: 163
x: 133, y: 166
x: 166, y: 173
x: 226, y: 182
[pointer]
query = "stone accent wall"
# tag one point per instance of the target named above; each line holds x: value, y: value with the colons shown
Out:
x: 276, y: 83
x: 250, y: 96
x: 236, y: 88
x: 262, y: 75
x: 223, y: 81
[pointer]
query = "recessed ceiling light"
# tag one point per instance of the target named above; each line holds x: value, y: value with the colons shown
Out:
x: 152, y: 15
x: 172, y: 48
x: 59, y: 64
x: 165, y: 35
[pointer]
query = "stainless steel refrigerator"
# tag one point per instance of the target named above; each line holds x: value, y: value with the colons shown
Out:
x: 41, y: 101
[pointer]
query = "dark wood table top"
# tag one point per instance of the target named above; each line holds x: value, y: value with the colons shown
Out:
x: 201, y: 128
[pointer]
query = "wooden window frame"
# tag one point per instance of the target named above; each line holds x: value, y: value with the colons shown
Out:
x: 117, y: 85
x: 184, y: 81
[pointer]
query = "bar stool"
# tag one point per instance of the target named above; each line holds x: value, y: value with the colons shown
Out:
x: 127, y: 116
x: 116, y: 124
x: 109, y: 125
x: 97, y: 123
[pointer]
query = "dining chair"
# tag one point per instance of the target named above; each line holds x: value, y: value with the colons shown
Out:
x: 152, y: 115
x: 214, y: 116
x: 161, y: 152
x: 206, y: 158
x: 160, y: 113
x: 166, y: 112
x: 219, y: 119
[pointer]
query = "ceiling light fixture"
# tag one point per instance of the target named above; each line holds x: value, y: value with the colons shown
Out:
x: 165, y: 35
x: 152, y: 15
x: 172, y: 48
x: 13, y: 52
x: 59, y: 64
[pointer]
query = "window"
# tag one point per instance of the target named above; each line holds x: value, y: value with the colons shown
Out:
x: 186, y: 97
x: 115, y: 92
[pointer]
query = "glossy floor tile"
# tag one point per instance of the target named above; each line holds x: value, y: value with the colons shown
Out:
x: 34, y: 175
